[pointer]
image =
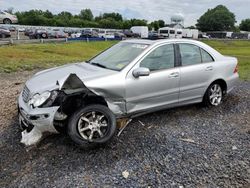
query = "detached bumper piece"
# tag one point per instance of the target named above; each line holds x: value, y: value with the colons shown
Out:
x: 31, y: 133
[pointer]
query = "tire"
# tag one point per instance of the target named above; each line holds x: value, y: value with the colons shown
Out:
x: 213, y: 95
x: 84, y: 126
x: 7, y: 21
x: 44, y: 35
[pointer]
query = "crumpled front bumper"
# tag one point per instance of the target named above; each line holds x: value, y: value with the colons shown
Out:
x: 35, y: 121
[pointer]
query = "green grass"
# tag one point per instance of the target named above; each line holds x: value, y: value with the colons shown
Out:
x: 33, y: 56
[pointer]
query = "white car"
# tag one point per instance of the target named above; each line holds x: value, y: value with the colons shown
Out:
x: 7, y: 18
x: 132, y: 78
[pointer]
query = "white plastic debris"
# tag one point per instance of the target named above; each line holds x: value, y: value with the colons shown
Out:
x: 125, y: 174
x: 234, y: 148
x: 32, y: 137
x: 188, y: 140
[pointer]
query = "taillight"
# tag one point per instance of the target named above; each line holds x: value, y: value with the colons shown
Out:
x: 236, y: 69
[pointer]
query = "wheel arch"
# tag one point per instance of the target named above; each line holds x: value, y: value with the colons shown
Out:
x: 7, y: 19
x: 222, y: 83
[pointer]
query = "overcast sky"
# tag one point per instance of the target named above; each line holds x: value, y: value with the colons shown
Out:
x: 146, y: 9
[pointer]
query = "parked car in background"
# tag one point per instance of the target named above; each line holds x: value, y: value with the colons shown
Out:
x: 27, y: 32
x: 74, y: 35
x: 38, y: 34
x: 89, y: 34
x: 203, y: 36
x: 21, y: 29
x: 153, y: 35
x: 57, y: 34
x: 132, y: 78
x: 12, y: 28
x: 4, y: 32
x: 128, y: 33
x: 119, y: 35
x: 7, y: 18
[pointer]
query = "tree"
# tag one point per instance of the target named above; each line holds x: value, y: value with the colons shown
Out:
x: 113, y: 15
x: 217, y: 19
x: 138, y: 22
x: 48, y: 14
x: 161, y: 23
x: 191, y: 27
x: 65, y: 15
x: 245, y: 25
x: 86, y: 14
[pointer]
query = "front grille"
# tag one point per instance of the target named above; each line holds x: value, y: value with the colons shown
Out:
x: 26, y: 94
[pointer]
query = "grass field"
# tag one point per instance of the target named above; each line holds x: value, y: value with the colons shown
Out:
x: 33, y: 56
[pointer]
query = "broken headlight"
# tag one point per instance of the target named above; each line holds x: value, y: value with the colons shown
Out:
x: 39, y: 99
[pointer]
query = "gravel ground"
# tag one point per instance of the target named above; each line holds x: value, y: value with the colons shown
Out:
x: 183, y: 147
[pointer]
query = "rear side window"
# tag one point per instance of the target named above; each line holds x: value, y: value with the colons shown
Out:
x: 164, y: 31
x: 172, y: 31
x: 206, y: 57
x: 190, y: 54
x: 161, y: 58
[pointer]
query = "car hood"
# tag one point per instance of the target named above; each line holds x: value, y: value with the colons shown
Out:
x: 51, y: 79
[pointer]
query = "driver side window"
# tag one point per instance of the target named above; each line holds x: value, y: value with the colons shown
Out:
x: 161, y: 58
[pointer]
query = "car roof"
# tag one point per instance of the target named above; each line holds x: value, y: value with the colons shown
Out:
x: 159, y: 41
x: 206, y: 47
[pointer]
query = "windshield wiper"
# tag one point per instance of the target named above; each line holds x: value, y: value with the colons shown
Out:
x: 102, y: 66
x: 99, y: 65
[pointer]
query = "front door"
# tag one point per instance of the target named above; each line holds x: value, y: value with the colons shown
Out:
x: 160, y: 88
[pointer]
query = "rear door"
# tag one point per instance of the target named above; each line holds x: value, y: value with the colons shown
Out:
x: 1, y: 16
x: 196, y: 71
x: 160, y: 88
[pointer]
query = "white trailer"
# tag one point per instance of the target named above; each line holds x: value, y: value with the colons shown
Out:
x: 141, y: 30
x: 190, y: 33
x: 168, y: 32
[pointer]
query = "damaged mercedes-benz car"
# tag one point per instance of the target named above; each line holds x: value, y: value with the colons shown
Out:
x: 131, y: 78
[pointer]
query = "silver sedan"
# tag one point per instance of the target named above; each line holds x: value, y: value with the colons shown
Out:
x: 131, y: 78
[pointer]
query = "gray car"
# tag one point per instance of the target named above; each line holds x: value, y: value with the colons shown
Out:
x: 131, y: 78
x: 7, y: 18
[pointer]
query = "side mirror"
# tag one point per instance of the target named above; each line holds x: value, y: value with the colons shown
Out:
x: 141, y: 71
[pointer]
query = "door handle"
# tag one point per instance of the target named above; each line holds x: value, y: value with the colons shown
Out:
x: 209, y: 68
x: 174, y: 75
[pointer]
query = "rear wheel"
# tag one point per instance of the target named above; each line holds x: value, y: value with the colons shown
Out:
x: 7, y: 21
x: 213, y: 95
x: 92, y: 125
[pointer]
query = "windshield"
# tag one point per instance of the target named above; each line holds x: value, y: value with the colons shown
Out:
x: 118, y: 56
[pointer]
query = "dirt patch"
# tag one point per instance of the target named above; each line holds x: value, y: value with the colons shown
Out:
x: 189, y: 146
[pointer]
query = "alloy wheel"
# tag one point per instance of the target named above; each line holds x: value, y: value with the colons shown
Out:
x: 215, y: 95
x: 92, y: 125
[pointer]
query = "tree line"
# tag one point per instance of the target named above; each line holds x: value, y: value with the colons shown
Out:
x: 219, y: 18
x: 84, y: 19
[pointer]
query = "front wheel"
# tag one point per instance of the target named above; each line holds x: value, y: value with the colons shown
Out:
x: 92, y: 125
x: 213, y: 95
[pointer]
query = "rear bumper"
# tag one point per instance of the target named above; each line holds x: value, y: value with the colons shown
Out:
x: 232, y: 82
x: 14, y: 21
